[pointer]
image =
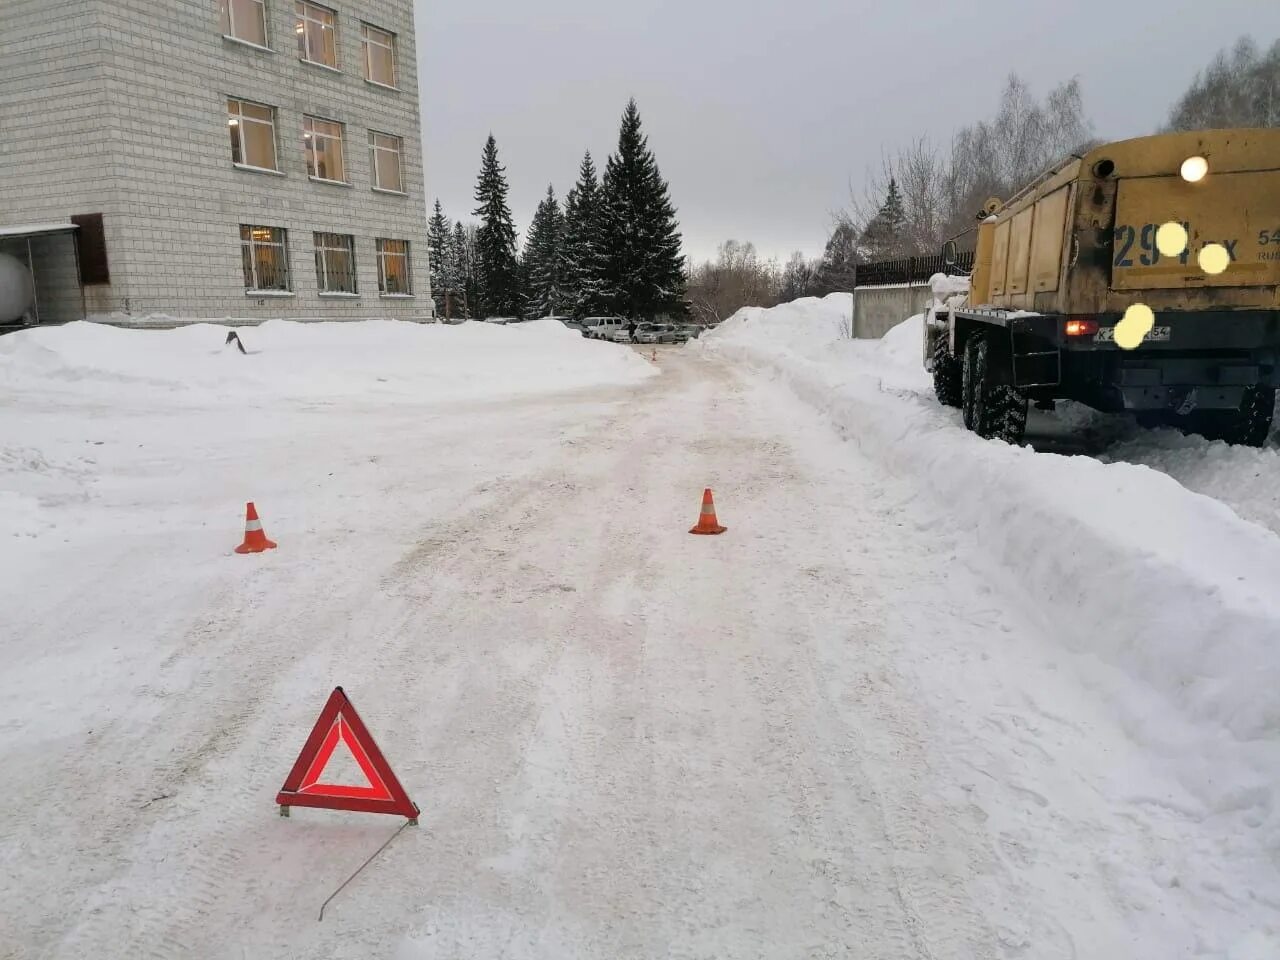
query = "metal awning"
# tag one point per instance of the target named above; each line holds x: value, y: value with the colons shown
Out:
x: 24, y: 231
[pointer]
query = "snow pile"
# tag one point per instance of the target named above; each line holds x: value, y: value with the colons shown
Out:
x: 1171, y: 596
x: 949, y: 293
x: 945, y: 286
x: 1246, y: 479
x: 379, y: 359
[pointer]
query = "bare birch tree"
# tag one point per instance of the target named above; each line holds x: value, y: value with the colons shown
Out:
x: 1240, y: 89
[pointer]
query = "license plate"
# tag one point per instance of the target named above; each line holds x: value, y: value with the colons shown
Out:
x: 1154, y: 335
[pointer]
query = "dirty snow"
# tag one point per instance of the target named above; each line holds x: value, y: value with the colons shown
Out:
x: 911, y: 705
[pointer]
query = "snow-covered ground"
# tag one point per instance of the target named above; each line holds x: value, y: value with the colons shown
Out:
x: 928, y: 697
x: 1166, y: 601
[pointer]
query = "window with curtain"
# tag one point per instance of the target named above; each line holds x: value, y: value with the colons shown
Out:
x: 245, y: 20
x: 322, y: 144
x: 335, y: 263
x: 393, y: 268
x: 317, y: 33
x: 265, y: 257
x: 384, y: 160
x: 253, y: 134
x: 379, y: 55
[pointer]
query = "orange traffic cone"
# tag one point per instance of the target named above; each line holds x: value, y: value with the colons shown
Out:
x: 255, y: 541
x: 707, y: 523
x: 654, y: 355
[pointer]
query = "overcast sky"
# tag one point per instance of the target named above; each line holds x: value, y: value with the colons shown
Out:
x: 762, y: 113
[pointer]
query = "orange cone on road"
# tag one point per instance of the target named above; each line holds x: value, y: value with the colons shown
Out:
x: 255, y: 541
x: 654, y: 356
x: 707, y: 523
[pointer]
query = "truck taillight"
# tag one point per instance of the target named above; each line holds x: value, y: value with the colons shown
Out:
x: 1081, y: 327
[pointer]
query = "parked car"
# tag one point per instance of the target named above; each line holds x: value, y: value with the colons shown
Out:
x: 502, y: 320
x: 681, y: 333
x: 647, y: 333
x: 691, y: 331
x: 664, y: 332
x: 569, y: 322
x: 618, y: 334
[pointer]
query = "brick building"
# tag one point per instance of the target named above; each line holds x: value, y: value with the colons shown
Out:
x: 208, y: 159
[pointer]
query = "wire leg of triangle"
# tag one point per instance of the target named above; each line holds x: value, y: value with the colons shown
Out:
x: 407, y: 823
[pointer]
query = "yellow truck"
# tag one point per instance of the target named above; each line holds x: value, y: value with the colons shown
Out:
x: 1143, y: 276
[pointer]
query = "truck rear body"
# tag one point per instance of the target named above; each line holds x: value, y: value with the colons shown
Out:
x: 1060, y: 264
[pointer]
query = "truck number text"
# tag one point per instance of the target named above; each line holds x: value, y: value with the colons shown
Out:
x: 1148, y: 254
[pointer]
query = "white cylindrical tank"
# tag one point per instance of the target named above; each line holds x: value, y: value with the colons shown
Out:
x: 17, y: 289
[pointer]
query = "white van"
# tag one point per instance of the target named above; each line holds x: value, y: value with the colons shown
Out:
x: 605, y: 328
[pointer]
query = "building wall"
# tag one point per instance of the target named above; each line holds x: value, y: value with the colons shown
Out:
x: 876, y: 310
x: 157, y: 159
x: 57, y: 135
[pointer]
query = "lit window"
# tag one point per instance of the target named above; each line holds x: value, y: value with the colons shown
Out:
x: 379, y: 55
x: 245, y: 20
x: 335, y: 263
x: 264, y: 253
x: 393, y: 268
x: 253, y: 134
x: 315, y: 29
x: 384, y: 160
x: 322, y: 143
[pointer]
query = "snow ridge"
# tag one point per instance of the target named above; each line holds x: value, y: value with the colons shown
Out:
x: 1174, y: 594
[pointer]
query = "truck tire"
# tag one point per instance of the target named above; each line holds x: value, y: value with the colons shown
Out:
x: 1247, y: 427
x: 968, y: 376
x: 995, y: 409
x: 1256, y: 415
x: 947, y: 374
x: 1006, y: 415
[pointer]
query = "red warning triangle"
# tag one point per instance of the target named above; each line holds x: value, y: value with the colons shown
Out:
x: 304, y: 787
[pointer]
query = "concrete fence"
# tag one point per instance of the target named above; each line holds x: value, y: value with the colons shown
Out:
x: 878, y: 309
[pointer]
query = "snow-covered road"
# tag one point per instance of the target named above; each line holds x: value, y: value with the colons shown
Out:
x: 835, y: 731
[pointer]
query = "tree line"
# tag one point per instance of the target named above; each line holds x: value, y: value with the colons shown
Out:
x: 922, y: 195
x: 613, y: 247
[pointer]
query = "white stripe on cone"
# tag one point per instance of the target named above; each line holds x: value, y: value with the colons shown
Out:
x: 252, y: 526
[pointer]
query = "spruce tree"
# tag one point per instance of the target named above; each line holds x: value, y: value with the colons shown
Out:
x: 584, y: 267
x: 837, y: 270
x: 462, y: 266
x: 544, y: 259
x: 568, y: 280
x: 643, y: 269
x: 893, y: 211
x: 496, y: 266
x: 438, y: 243
x: 883, y: 238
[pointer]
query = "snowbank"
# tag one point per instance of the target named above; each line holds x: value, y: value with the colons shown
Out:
x: 385, y: 359
x: 1168, y: 587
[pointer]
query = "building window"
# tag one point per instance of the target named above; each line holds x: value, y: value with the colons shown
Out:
x: 335, y: 263
x: 393, y: 268
x: 316, y: 37
x: 245, y: 20
x: 379, y: 55
x: 253, y: 134
x: 322, y: 143
x: 384, y: 160
x: 264, y: 252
